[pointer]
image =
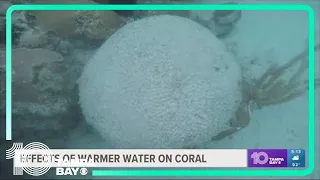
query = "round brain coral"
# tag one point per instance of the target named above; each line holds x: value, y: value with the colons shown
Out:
x: 160, y: 82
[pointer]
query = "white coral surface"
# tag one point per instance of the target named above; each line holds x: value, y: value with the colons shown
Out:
x: 160, y: 82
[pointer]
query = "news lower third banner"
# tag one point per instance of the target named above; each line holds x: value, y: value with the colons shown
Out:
x: 157, y: 158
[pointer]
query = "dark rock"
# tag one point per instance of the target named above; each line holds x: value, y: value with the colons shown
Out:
x: 44, y: 95
x: 125, y: 13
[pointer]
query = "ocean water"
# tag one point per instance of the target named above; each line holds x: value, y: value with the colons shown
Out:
x: 284, y: 125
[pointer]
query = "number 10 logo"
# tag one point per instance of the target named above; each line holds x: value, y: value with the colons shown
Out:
x: 256, y: 156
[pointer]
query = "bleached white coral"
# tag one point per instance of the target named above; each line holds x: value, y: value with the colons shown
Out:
x: 160, y: 82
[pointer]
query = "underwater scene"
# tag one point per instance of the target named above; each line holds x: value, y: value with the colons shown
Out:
x: 151, y: 79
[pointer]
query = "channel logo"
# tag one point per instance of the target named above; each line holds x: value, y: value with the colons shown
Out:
x: 267, y: 158
x: 26, y: 152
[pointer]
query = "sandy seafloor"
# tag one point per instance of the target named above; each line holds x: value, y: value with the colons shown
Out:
x: 285, y: 125
x: 278, y: 126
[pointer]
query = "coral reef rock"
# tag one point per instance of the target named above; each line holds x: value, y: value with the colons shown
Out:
x: 35, y: 38
x: 19, y: 23
x: 90, y: 24
x: 160, y: 82
x: 97, y: 24
x: 146, y: 13
x: 42, y: 97
x: 220, y: 22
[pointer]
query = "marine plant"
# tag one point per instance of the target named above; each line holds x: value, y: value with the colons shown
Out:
x: 273, y: 87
